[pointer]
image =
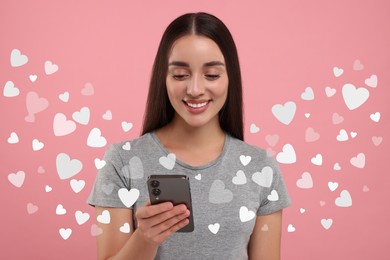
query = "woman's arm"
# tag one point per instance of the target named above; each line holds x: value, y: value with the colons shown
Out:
x: 265, y: 240
x: 155, y: 224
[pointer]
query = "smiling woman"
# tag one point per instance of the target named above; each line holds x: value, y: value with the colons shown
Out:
x: 193, y: 128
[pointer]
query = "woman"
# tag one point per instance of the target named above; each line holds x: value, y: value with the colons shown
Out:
x: 194, y: 121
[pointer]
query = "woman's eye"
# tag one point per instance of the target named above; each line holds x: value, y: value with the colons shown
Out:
x: 180, y: 77
x: 212, y: 76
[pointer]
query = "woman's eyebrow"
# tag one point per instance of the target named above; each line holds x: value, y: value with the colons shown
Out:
x: 185, y: 64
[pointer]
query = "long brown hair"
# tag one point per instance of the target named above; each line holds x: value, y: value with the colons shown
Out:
x: 159, y: 110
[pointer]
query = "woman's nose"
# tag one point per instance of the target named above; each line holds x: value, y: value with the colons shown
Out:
x: 195, y: 87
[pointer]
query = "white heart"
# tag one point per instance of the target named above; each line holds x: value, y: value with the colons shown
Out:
x: 65, y: 233
x: 17, y: 58
x: 60, y: 210
x: 265, y: 228
x: 82, y: 116
x: 306, y: 181
x: 337, y: 167
x: 95, y: 138
x: 290, y: 228
x: 302, y: 210
x: 264, y: 178
x: 308, y: 94
x: 50, y: 67
x: 10, y: 90
x: 37, y: 145
x: 353, y: 97
x: 333, y: 185
x: 245, y: 160
x: 17, y: 179
x: 330, y: 91
x: 337, y: 71
x: 307, y: 115
x: 326, y: 223
x: 13, y: 138
x: 77, y: 185
x: 198, y: 177
x: 107, y: 115
x: 246, y: 215
x: 48, y: 188
x: 67, y: 168
x: 345, y: 199
x: 81, y: 217
x: 353, y: 134
x: 214, y: 228
x: 168, y: 161
x: 359, y: 160
x: 62, y: 126
x: 125, y: 228
x: 284, y: 113
x: 372, y: 81
x: 126, y: 126
x: 375, y: 117
x: 99, y: 163
x: 317, y: 160
x: 254, y: 129
x: 126, y: 146
x: 240, y: 178
x: 273, y: 196
x: 287, y: 156
x: 64, y: 97
x: 128, y: 197
x: 33, y: 77
x: 342, y: 136
x: 104, y: 218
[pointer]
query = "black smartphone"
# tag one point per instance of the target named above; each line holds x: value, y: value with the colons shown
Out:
x: 173, y: 188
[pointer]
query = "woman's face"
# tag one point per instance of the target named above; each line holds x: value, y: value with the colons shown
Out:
x: 197, y: 81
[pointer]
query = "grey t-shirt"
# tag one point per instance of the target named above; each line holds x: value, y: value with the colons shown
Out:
x: 227, y: 193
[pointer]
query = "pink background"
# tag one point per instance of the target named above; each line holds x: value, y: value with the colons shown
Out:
x: 284, y: 47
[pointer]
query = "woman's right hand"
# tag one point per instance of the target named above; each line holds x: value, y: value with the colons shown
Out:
x: 157, y: 222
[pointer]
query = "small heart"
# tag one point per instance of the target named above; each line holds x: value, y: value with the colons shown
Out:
x: 322, y: 203
x: 372, y: 81
x: 65, y: 233
x: 337, y: 167
x: 311, y: 135
x: 99, y: 164
x: 107, y: 115
x: 273, y: 196
x: 17, y: 58
x: 330, y: 91
x: 302, y: 210
x: 264, y: 178
x: 37, y: 145
x: 41, y: 170
x: 95, y: 230
x: 365, y: 188
x: 342, y: 136
x: 95, y: 139
x: 198, y: 177
x: 64, y: 97
x: 10, y: 90
x: 48, y: 188
x: 128, y: 197
x: 50, y: 68
x: 33, y: 77
x: 337, y: 119
x: 353, y: 134
x: 168, y: 161
x: 326, y: 223
x: 105, y: 217
x: 308, y: 94
x: 245, y: 160
x: 246, y: 215
x: 264, y: 228
x: 81, y: 217
x: 126, y: 146
x: 62, y: 126
x: 358, y: 161
x: 307, y: 115
x: 377, y: 140
x: 77, y: 185
x: 13, y: 138
x: 287, y: 156
x: 214, y: 228
x: 31, y: 208
x: 344, y: 200
x: 240, y: 178
x: 337, y: 72
x: 87, y: 90
x: 254, y: 129
x: 306, y: 181
x: 125, y: 228
x: 290, y: 228
x: 17, y: 179
x: 60, y: 210
x: 333, y: 185
x: 357, y: 65
x: 272, y: 140
x: 375, y: 117
x: 317, y: 160
x: 354, y: 97
x: 284, y: 113
x: 126, y: 126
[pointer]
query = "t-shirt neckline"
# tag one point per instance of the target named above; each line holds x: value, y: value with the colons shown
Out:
x: 190, y: 167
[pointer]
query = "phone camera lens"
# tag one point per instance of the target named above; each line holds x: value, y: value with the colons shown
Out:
x: 154, y: 183
x: 156, y: 192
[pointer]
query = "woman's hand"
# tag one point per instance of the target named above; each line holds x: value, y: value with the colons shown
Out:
x: 157, y: 222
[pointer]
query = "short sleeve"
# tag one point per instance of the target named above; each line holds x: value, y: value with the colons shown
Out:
x: 109, y: 180
x: 276, y: 197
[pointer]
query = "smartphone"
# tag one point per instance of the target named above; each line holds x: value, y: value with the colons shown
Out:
x: 173, y: 188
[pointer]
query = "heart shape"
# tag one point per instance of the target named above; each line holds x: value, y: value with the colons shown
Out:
x: 287, y: 156
x: 128, y: 197
x: 284, y: 113
x: 264, y: 178
x: 354, y: 97
x: 246, y: 215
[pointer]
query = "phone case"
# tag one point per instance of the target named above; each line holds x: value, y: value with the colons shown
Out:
x: 173, y: 188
